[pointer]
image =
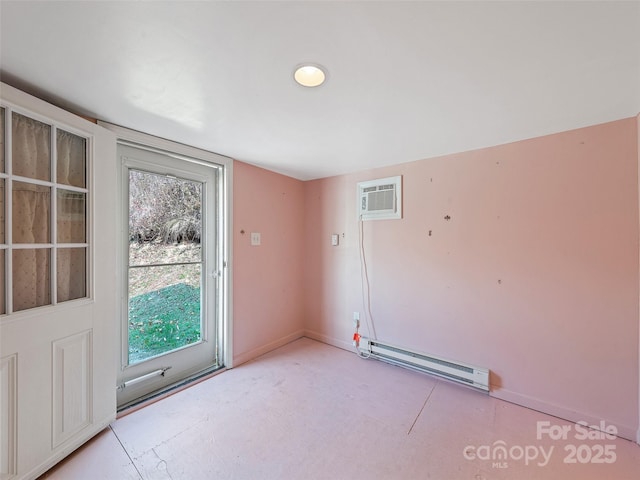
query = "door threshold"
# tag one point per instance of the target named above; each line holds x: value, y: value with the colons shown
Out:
x: 167, y: 391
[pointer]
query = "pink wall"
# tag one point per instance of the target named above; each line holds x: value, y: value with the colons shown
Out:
x: 535, y: 276
x: 267, y: 287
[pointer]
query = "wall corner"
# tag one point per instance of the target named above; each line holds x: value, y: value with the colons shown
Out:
x: 638, y: 186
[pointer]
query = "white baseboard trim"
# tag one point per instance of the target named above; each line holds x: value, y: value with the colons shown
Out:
x: 624, y: 431
x: 256, y: 352
x: 343, y: 344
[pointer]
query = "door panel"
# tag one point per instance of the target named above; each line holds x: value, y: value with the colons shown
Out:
x: 71, y: 385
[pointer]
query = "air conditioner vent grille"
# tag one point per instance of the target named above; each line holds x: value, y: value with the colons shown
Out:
x: 381, y: 200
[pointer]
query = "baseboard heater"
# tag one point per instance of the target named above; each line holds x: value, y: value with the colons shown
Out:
x: 458, y: 372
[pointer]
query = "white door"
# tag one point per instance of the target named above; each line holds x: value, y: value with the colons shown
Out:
x: 172, y: 268
x: 58, y: 356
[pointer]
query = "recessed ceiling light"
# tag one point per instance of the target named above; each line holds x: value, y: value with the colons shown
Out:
x: 309, y: 75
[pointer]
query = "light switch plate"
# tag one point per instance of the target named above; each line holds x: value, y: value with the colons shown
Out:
x: 334, y: 239
x: 255, y: 239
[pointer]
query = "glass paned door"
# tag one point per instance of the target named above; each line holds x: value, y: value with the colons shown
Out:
x: 170, y: 316
x: 58, y: 295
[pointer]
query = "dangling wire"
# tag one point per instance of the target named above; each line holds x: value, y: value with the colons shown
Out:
x: 361, y: 354
x: 365, y: 286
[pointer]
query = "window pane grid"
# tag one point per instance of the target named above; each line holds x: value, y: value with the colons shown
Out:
x: 44, y: 227
x: 44, y: 183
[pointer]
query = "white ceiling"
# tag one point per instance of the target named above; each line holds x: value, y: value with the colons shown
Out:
x: 406, y: 80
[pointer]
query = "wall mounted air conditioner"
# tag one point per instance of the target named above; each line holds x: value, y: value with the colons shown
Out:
x: 380, y: 199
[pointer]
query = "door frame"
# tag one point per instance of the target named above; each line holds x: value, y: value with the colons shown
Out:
x: 201, y: 355
x: 224, y: 227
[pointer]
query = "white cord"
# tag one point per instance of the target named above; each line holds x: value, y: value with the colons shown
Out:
x: 364, y: 283
x: 366, y: 292
x: 362, y: 355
